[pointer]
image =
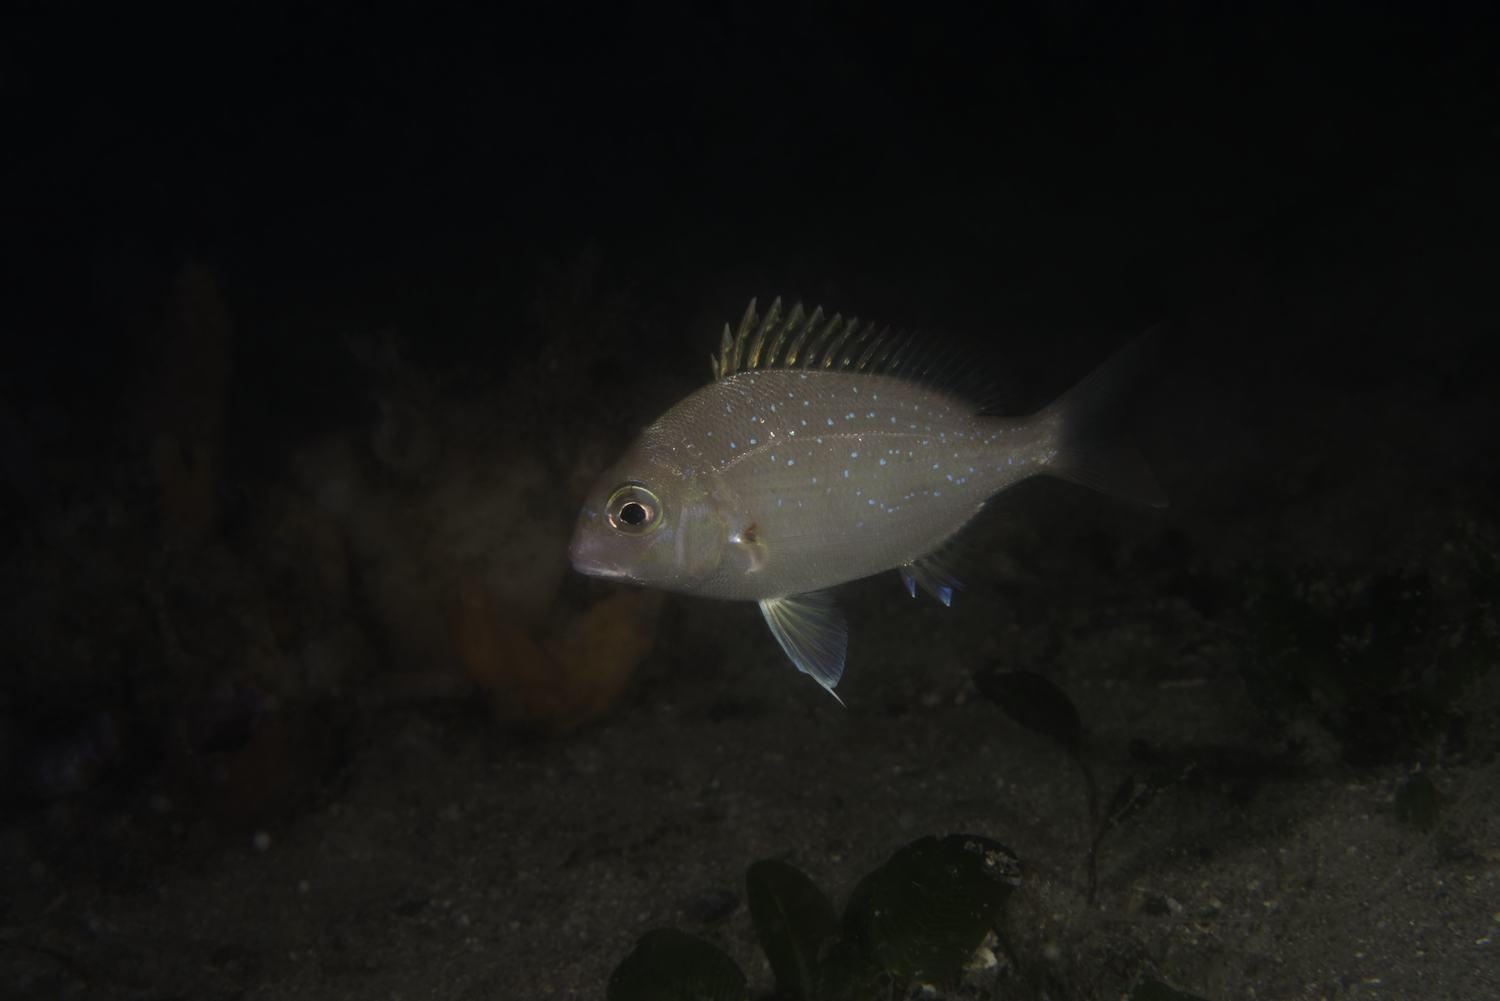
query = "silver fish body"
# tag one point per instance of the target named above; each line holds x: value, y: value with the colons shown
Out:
x: 798, y: 470
x: 825, y: 477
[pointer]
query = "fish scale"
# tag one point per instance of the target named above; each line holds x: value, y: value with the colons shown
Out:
x: 824, y: 452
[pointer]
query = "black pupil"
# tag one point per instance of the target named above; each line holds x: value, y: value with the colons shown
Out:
x: 632, y: 513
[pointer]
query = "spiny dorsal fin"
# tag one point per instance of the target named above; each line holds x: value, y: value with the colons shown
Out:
x: 799, y: 339
x: 802, y: 340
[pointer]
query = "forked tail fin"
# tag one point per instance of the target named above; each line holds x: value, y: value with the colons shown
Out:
x: 1091, y: 449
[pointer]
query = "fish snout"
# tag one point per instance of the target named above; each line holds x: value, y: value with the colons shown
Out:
x: 586, y: 554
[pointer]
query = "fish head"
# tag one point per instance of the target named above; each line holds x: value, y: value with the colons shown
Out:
x: 649, y: 521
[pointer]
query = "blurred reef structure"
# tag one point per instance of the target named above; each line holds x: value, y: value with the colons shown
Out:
x: 180, y: 621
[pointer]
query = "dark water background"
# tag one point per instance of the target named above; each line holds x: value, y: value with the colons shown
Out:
x: 315, y: 327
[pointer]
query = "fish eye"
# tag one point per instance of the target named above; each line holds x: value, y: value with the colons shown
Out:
x: 633, y: 509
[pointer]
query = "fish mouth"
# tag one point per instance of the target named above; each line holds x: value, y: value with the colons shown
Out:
x: 598, y: 568
x: 581, y: 554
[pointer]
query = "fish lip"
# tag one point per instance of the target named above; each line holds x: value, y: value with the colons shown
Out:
x: 590, y: 566
x: 598, y: 568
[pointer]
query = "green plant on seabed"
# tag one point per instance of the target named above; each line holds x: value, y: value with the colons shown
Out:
x: 919, y: 919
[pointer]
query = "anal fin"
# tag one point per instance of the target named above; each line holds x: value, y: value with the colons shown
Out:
x: 813, y: 633
x: 931, y: 575
x: 908, y: 578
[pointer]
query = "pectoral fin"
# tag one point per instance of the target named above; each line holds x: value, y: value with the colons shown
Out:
x: 812, y: 632
x: 747, y: 542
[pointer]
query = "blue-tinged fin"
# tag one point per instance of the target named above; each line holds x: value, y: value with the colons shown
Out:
x: 931, y: 575
x: 1090, y: 451
x: 813, y: 633
x: 908, y: 578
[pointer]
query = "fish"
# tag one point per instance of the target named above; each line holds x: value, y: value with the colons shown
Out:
x: 823, y: 451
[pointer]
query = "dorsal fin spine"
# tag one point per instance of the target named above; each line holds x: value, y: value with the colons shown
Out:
x: 801, y: 340
x: 719, y: 362
x: 794, y: 350
x: 772, y: 320
x: 868, y: 354
x: 831, y: 349
x: 793, y: 322
x: 888, y: 348
x: 773, y: 351
x: 817, y: 341
x: 852, y: 349
x: 904, y: 358
x: 833, y: 358
x: 752, y: 351
x: 732, y: 355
